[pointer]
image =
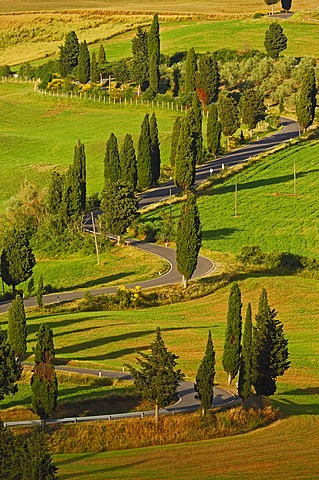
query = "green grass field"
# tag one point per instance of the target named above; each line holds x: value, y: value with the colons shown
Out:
x: 33, y: 149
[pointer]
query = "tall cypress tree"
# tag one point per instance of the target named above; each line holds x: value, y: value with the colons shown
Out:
x: 71, y: 198
x: 232, y: 345
x: 190, y: 71
x: 245, y: 369
x: 270, y: 349
x: 207, y: 77
x: 94, y: 73
x: 204, y: 385
x: 10, y: 369
x: 144, y: 156
x: 197, y: 129
x: 140, y: 62
x: 185, y: 158
x: 55, y: 192
x: 306, y: 100
x: 174, y: 140
x: 214, y: 130
x: 154, y: 55
x: 128, y: 162
x: 79, y: 163
x: 228, y: 114
x: 102, y: 62
x: 83, y: 63
x: 275, y: 40
x: 69, y: 53
x: 188, y: 239
x: 44, y: 383
x: 112, y: 169
x: 17, y: 327
x: 155, y: 149
x: 17, y: 259
x: 252, y: 108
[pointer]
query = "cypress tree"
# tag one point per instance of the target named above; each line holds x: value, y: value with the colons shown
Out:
x: 154, y: 55
x: 71, y: 198
x: 232, y: 346
x: 128, y: 162
x: 10, y: 369
x: 140, y: 62
x: 174, y: 140
x: 69, y: 53
x: 157, y: 378
x: 190, y: 71
x: 197, y: 129
x: 252, y: 108
x: 306, y: 100
x: 35, y: 462
x: 228, y: 114
x: 83, y: 63
x: 204, y: 385
x: 119, y: 207
x: 44, y: 383
x: 207, y: 78
x: 214, y: 130
x: 188, y: 239
x: 55, y: 193
x: 17, y: 327
x: 94, y: 73
x: 155, y: 149
x: 275, y: 40
x: 286, y: 5
x: 245, y: 369
x: 185, y: 155
x: 112, y: 169
x: 17, y: 259
x: 101, y: 61
x: 79, y: 163
x: 144, y: 156
x: 270, y: 349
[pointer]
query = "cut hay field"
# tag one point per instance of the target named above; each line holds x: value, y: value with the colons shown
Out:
x: 38, y: 134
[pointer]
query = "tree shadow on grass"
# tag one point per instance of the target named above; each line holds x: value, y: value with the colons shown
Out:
x: 96, y: 281
x: 103, y: 470
x: 218, y: 233
x: 293, y: 408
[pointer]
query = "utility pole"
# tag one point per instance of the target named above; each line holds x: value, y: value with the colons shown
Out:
x: 95, y: 239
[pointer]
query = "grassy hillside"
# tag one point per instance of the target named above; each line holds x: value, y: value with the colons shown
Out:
x: 32, y: 149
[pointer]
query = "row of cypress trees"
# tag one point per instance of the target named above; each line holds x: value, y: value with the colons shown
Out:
x: 262, y: 355
x: 139, y: 171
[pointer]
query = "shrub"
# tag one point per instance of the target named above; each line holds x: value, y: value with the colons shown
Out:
x: 251, y: 254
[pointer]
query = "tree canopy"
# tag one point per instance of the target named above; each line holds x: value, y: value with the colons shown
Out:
x: 275, y: 40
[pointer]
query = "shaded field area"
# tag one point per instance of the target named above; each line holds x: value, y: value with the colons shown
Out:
x: 285, y: 450
x: 32, y: 150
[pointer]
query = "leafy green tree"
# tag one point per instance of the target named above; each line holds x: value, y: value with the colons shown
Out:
x: 17, y: 259
x: 245, y: 368
x: 185, y: 159
x: 275, y: 40
x: 10, y: 370
x: 83, y: 71
x: 154, y: 55
x: 174, y: 140
x: 190, y: 71
x: 94, y: 72
x: 128, y: 162
x: 286, y: 5
x: 228, y: 114
x: 197, y: 128
x: 214, y: 130
x: 140, y: 62
x: 79, y: 163
x: 40, y: 292
x: 144, y: 156
x: 270, y: 349
x: 207, y: 77
x: 204, y: 385
x: 188, y: 239
x: 44, y: 383
x: 35, y: 462
x: 17, y: 327
x: 119, y: 207
x: 252, y: 108
x: 112, y: 169
x: 157, y: 378
x: 232, y: 345
x: 55, y: 193
x: 69, y: 53
x: 121, y: 71
x: 155, y: 149
x: 272, y: 3
x: 306, y: 100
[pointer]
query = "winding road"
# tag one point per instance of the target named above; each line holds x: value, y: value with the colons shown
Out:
x: 205, y: 266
